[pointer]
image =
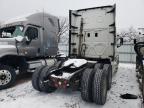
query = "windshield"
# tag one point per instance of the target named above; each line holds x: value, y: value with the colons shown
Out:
x: 11, y: 32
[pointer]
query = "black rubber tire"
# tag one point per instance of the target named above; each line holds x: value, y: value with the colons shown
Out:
x: 108, y: 69
x: 45, y: 87
x: 99, y: 90
x: 86, y: 85
x: 12, y: 73
x: 35, y: 77
x: 142, y: 88
x: 97, y: 66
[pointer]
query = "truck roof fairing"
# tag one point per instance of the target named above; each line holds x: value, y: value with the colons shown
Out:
x: 38, y: 19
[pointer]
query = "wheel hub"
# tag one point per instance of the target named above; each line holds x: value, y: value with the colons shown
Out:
x: 5, y: 77
x: 2, y: 77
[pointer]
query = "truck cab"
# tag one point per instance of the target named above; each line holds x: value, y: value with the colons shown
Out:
x: 23, y: 39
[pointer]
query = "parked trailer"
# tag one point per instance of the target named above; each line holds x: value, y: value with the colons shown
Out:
x: 26, y: 43
x: 92, y: 56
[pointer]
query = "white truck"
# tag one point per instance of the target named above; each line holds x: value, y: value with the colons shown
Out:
x: 92, y: 56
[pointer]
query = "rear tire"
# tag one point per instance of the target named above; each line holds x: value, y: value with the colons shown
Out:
x: 142, y: 86
x: 99, y: 90
x: 7, y: 76
x: 35, y: 77
x: 108, y: 69
x: 46, y: 86
x: 86, y: 85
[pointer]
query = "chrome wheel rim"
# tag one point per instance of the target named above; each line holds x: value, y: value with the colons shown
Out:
x: 5, y: 77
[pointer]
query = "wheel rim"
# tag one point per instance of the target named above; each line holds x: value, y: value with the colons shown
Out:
x: 5, y: 77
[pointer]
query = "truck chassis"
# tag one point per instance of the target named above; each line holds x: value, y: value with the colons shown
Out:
x: 92, y: 79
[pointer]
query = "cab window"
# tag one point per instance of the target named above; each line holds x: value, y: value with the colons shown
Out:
x: 31, y: 33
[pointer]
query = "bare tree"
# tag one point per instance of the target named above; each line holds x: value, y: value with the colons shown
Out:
x: 129, y: 34
x: 64, y: 28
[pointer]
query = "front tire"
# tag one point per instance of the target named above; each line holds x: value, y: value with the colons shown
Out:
x: 7, y: 76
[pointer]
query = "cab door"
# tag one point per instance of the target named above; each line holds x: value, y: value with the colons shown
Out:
x: 31, y: 47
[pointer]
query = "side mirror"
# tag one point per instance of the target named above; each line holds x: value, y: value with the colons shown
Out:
x: 19, y: 38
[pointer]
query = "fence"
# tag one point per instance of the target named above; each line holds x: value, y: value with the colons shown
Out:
x: 126, y: 52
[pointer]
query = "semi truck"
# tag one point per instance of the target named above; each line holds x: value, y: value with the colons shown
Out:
x: 92, y: 59
x: 26, y: 42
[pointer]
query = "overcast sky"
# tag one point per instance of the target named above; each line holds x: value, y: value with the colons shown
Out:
x: 129, y: 12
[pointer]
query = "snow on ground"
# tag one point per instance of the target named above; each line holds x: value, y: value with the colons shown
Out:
x: 22, y: 95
